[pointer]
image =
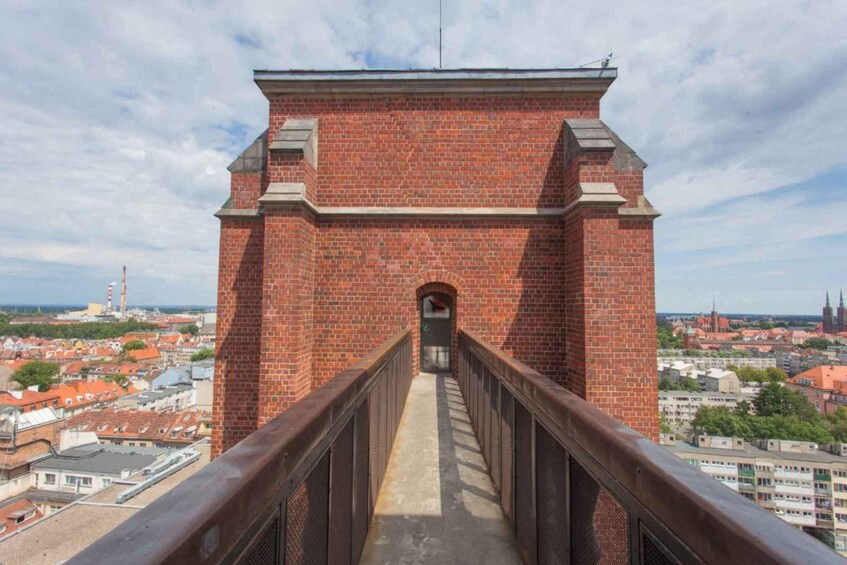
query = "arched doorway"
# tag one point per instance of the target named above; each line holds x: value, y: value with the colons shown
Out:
x: 436, y: 332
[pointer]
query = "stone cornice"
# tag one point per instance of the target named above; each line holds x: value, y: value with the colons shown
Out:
x: 594, y: 195
x: 514, y: 82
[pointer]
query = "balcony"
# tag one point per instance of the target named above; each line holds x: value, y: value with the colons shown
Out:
x: 499, y: 465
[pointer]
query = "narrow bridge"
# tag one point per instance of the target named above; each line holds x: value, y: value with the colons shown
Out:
x: 500, y: 465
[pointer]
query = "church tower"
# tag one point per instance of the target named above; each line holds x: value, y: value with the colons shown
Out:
x: 841, y: 315
x: 827, y: 325
x: 715, y: 319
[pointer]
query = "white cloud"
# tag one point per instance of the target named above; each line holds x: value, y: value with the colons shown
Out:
x: 119, y: 119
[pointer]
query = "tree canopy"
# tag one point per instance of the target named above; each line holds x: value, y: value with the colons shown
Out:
x: 690, y: 385
x: 203, y: 354
x: 189, y: 329
x: 780, y: 413
x: 820, y: 343
x: 752, y: 374
x: 40, y: 373
x: 85, y: 330
x: 133, y: 345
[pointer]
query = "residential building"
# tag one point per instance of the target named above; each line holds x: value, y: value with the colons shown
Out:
x: 16, y: 515
x: 25, y: 437
x: 799, y: 482
x: 819, y: 384
x: 79, y: 396
x: 679, y: 407
x: 138, y: 427
x: 171, y: 398
x: 714, y: 362
x: 88, y: 468
x: 719, y: 380
x: 68, y: 529
x: 30, y: 400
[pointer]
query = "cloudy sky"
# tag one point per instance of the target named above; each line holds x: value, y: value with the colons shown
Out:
x: 119, y: 118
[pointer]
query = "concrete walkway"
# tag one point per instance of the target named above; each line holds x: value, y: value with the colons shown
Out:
x: 437, y: 504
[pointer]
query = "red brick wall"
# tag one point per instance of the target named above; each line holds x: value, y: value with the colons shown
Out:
x: 507, y: 273
x: 239, y: 324
x: 287, y: 328
x: 571, y: 297
x: 432, y: 151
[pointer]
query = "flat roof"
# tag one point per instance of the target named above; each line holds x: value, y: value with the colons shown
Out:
x: 100, y: 459
x: 752, y: 451
x: 434, y: 81
x: 58, y: 536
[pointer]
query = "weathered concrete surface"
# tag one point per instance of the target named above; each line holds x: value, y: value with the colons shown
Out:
x: 437, y: 504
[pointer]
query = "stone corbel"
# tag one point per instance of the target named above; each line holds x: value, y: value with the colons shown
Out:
x: 298, y: 136
x: 644, y: 210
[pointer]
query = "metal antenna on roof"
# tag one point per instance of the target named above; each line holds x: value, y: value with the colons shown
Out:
x: 439, y: 33
x: 604, y: 62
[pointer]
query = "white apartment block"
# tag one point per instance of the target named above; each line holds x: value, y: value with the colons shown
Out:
x: 680, y: 407
x: 799, y: 482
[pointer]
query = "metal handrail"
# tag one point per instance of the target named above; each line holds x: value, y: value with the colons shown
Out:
x: 216, y: 514
x: 694, y: 517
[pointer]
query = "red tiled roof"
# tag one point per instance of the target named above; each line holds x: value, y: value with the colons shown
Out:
x: 148, y: 354
x: 138, y: 424
x: 828, y: 377
x: 9, y: 515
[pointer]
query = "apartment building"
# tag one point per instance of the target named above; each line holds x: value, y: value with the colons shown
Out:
x: 800, y: 482
x: 679, y: 407
x: 669, y: 357
x: 172, y: 398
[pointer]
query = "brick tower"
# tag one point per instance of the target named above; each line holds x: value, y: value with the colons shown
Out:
x: 841, y: 314
x: 827, y: 321
x: 501, y: 190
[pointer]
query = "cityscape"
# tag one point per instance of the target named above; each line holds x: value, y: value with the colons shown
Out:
x: 393, y: 283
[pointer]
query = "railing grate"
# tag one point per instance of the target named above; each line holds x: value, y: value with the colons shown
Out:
x: 264, y: 550
x: 341, y: 496
x: 506, y: 427
x: 361, y: 516
x: 551, y: 462
x: 307, y: 518
x: 524, y: 506
x: 599, y: 524
x: 654, y: 554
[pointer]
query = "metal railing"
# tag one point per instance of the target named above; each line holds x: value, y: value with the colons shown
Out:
x: 300, y: 490
x: 580, y: 487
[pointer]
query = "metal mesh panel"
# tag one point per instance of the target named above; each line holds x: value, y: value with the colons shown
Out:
x: 494, y: 433
x: 654, y: 553
x: 599, y: 524
x: 383, y: 428
x: 341, y: 496
x: 551, y: 495
x: 506, y: 412
x: 391, y: 403
x: 264, y: 549
x: 524, y: 513
x: 307, y: 518
x: 361, y: 516
x: 373, y: 448
x: 485, y: 421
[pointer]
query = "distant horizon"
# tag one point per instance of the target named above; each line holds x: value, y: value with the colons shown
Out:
x: 214, y: 307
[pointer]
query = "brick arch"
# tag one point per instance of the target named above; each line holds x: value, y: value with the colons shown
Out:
x: 449, y: 280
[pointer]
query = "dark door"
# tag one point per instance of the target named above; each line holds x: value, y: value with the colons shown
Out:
x: 436, y: 332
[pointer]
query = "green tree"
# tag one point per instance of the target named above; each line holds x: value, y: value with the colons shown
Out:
x: 86, y: 330
x: 189, y: 329
x: 776, y: 375
x: 819, y: 343
x: 210, y: 354
x: 41, y: 373
x: 664, y: 426
x: 776, y: 400
x: 720, y: 421
x: 133, y: 345
x: 837, y: 423
x: 742, y: 408
x: 118, y: 379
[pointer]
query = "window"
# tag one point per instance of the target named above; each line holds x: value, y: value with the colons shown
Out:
x: 107, y: 482
x: 433, y: 307
x: 49, y: 478
x: 73, y: 480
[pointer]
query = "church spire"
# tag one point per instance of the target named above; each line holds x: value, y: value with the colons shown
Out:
x: 827, y: 298
x: 841, y: 299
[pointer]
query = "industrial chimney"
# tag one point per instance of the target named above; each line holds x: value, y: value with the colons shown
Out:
x: 123, y: 295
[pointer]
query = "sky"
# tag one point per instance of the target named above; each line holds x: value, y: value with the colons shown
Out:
x: 119, y: 119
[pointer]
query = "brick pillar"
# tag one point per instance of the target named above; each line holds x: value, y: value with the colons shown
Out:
x: 610, y: 305
x: 239, y: 317
x: 239, y: 313
x: 285, y: 370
